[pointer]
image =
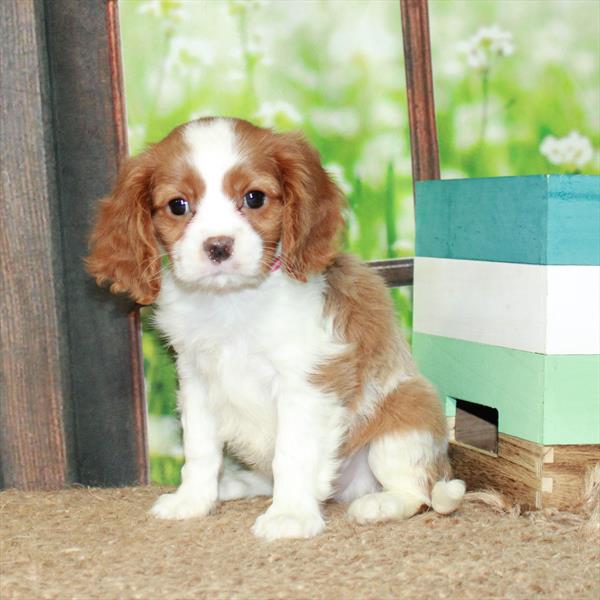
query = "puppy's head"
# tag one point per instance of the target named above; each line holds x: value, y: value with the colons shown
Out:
x: 227, y: 201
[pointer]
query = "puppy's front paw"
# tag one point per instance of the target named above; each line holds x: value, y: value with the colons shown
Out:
x: 274, y: 525
x: 182, y: 505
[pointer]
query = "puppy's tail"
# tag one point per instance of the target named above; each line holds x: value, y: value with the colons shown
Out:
x: 446, y: 496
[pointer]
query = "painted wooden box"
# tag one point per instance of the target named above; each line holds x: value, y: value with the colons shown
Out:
x: 507, y: 326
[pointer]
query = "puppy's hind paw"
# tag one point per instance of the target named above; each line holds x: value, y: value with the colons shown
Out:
x: 181, y: 505
x: 376, y: 507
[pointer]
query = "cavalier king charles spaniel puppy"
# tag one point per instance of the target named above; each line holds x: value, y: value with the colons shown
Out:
x: 288, y: 353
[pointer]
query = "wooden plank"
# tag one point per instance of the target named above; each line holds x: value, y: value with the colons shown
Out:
x: 538, y: 308
x: 523, y: 453
x: 571, y: 399
x: 396, y: 272
x: 531, y: 475
x: 508, y: 380
x: 419, y: 90
x: 34, y: 392
x: 538, y: 219
x: 502, y: 304
x: 72, y: 405
x: 89, y: 121
x: 573, y: 309
x: 542, y: 399
x: 573, y: 220
x: 567, y: 472
x: 514, y: 472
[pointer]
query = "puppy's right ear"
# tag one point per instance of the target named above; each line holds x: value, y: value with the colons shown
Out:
x: 123, y: 246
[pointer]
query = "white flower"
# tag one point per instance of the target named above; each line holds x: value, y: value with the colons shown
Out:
x: 387, y: 114
x: 466, y: 123
x: 573, y: 150
x: 303, y: 75
x: 498, y: 41
x: 338, y: 175
x: 488, y: 44
x: 164, y: 435
x: 150, y: 7
x: 271, y: 114
x: 341, y: 121
x: 378, y: 152
x: 361, y: 36
x: 188, y: 55
x: 551, y: 148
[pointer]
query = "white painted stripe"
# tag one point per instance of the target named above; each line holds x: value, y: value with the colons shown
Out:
x: 573, y: 309
x: 549, y: 309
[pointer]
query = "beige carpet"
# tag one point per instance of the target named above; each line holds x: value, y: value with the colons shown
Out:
x: 91, y: 543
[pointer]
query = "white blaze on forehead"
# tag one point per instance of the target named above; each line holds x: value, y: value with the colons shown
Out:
x: 213, y: 153
x: 213, y: 150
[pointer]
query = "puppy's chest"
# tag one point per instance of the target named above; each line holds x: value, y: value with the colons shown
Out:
x: 242, y: 387
x: 248, y: 348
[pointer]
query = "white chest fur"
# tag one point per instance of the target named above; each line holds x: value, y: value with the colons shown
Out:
x: 246, y: 347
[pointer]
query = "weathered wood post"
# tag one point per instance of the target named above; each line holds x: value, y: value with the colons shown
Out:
x: 71, y: 404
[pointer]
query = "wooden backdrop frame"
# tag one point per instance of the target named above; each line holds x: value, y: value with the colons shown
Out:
x: 72, y: 407
x: 72, y: 400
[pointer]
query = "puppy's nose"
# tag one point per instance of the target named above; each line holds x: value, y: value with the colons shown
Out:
x: 218, y: 248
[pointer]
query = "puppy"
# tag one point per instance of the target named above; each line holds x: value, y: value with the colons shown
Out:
x: 287, y: 352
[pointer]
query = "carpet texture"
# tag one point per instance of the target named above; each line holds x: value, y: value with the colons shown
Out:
x: 91, y: 543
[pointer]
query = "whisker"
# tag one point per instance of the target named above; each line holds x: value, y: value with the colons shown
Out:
x: 151, y: 262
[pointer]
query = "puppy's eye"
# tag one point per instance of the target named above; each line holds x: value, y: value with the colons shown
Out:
x: 254, y: 199
x: 179, y: 206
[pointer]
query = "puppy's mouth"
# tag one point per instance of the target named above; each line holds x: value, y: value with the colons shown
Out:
x: 224, y: 276
x: 225, y: 282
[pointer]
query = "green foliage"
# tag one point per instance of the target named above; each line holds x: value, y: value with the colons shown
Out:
x: 334, y: 70
x: 159, y: 369
x: 165, y: 470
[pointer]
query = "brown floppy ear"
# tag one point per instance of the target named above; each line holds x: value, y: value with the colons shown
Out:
x: 123, y: 247
x: 312, y: 214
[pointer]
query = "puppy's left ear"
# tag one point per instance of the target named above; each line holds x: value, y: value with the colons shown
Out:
x: 312, y: 215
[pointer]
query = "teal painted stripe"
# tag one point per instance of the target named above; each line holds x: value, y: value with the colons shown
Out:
x: 573, y: 220
x: 536, y: 219
x: 543, y: 399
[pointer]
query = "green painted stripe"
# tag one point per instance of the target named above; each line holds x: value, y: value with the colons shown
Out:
x: 537, y: 219
x: 543, y: 399
x: 572, y: 399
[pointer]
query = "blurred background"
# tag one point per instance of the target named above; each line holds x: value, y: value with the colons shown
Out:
x: 517, y: 92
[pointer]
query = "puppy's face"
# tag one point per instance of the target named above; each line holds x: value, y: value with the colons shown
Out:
x: 220, y: 218
x: 226, y: 201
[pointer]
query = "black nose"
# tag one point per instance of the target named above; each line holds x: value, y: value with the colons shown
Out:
x: 218, y: 248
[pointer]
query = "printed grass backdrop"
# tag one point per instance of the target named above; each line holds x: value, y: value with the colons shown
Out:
x: 516, y: 84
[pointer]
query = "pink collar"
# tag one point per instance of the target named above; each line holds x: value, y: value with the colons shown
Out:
x: 276, y: 265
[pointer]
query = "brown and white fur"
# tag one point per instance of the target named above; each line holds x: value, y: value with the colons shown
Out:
x: 300, y: 371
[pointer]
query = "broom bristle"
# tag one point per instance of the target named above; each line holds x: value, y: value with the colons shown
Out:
x: 495, y: 500
x: 591, y: 500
